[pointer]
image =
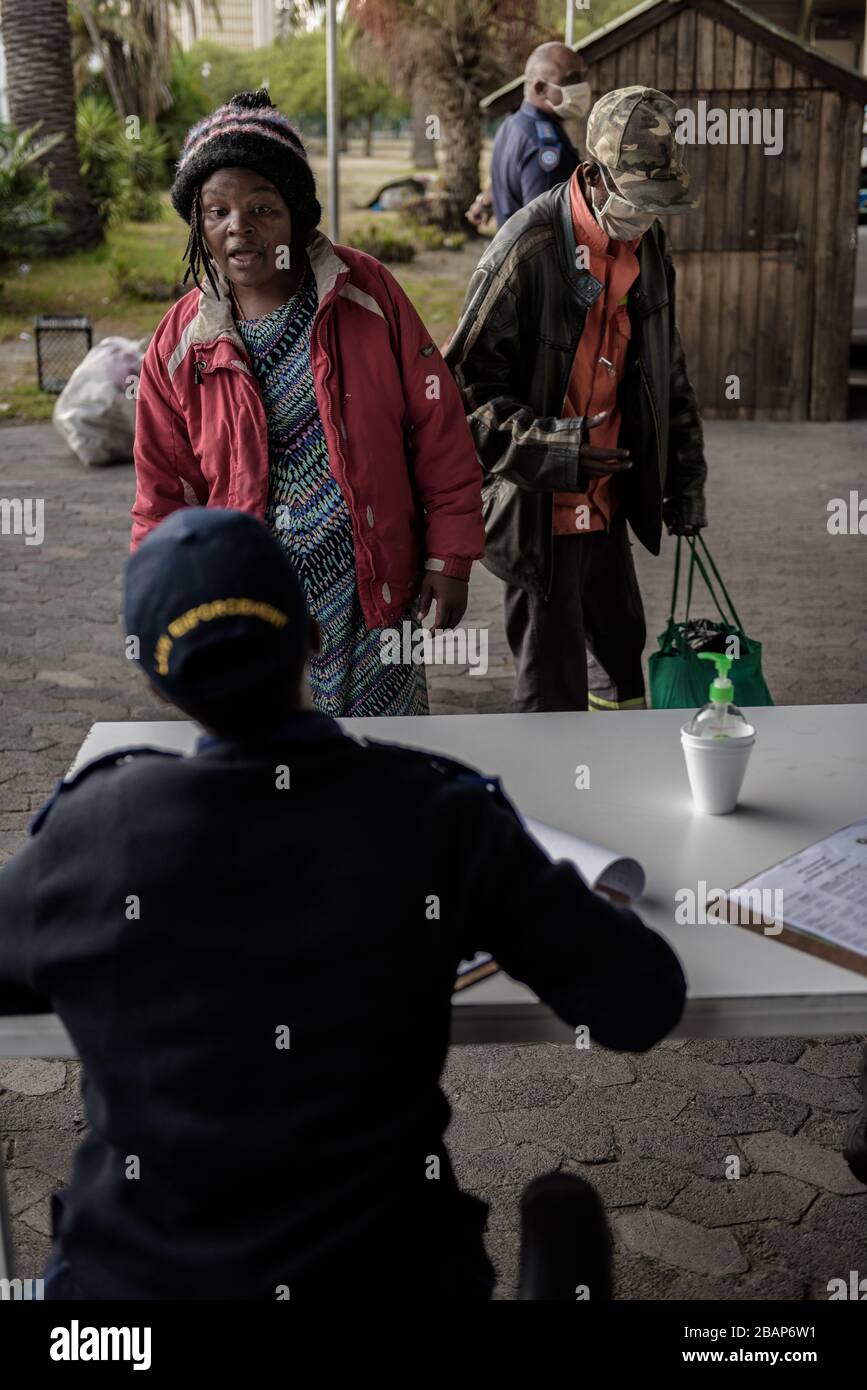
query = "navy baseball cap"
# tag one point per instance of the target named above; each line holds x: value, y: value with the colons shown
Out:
x: 215, y: 604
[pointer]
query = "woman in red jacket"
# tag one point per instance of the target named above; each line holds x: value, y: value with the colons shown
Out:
x: 297, y: 382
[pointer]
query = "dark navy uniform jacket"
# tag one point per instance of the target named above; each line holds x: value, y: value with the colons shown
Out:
x: 258, y: 980
x: 531, y: 154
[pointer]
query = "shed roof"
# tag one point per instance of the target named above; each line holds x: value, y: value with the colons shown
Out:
x: 609, y: 37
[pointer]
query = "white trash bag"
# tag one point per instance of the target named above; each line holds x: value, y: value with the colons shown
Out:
x: 95, y: 411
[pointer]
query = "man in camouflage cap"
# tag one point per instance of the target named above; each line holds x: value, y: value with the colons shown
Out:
x: 569, y: 327
x: 631, y: 137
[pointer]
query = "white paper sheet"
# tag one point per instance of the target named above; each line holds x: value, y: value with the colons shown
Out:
x: 600, y: 867
x: 824, y: 888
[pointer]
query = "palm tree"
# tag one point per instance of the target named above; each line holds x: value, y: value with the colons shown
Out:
x: 464, y: 48
x: 40, y: 90
x: 134, y: 41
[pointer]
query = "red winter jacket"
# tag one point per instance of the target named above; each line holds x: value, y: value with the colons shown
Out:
x: 397, y: 437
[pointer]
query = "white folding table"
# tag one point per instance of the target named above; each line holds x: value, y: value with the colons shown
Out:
x: 807, y: 777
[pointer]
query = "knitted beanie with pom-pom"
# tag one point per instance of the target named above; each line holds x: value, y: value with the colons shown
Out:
x: 249, y: 132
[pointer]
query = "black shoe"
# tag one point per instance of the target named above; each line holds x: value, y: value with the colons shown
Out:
x: 855, y: 1143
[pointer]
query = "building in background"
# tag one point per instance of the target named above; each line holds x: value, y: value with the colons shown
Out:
x: 834, y: 27
x: 241, y: 23
x: 4, y: 99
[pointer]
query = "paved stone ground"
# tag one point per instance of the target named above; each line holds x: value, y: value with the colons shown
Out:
x: 653, y: 1133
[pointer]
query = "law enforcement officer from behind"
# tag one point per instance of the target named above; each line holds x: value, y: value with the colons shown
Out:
x: 253, y: 949
x: 532, y: 149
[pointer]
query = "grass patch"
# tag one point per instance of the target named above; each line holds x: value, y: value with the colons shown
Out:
x: 23, y: 400
x: 438, y: 298
x: 84, y: 283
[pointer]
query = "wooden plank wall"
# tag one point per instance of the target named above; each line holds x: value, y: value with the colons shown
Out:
x: 752, y: 302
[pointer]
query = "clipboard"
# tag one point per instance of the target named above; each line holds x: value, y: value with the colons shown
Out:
x: 817, y: 946
x: 841, y: 858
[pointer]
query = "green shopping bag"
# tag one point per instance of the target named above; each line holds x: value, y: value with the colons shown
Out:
x: 677, y: 678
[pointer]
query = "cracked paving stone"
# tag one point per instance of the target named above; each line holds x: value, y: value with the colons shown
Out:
x: 32, y: 1076
x: 640, y: 1101
x: 630, y: 1184
x: 824, y: 1092
x: 730, y: 1202
x: 506, y: 1164
x: 828, y: 1130
x: 694, y: 1074
x: 640, y: 1278
x: 74, y: 680
x: 46, y: 1150
x: 38, y: 1218
x: 31, y: 1250
x: 799, y: 1158
x: 518, y: 1091
x: 809, y: 1252
x: 833, y: 1059
x: 699, y: 1153
x: 745, y: 1114
x: 681, y: 1244
x: 474, y: 1133
x: 558, y: 1129
x: 599, y: 1067
x: 60, y: 1110
x: 25, y: 1186
x: 727, y: 1050
x: 842, y: 1219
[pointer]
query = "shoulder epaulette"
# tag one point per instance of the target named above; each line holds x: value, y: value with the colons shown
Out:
x: 114, y: 759
x: 447, y: 767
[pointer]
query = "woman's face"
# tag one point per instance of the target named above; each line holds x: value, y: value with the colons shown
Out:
x: 247, y: 226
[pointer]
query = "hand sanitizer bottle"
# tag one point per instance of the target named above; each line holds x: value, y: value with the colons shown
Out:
x: 719, y: 718
x: 717, y: 743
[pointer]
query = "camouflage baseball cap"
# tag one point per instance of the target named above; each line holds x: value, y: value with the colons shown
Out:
x: 631, y: 134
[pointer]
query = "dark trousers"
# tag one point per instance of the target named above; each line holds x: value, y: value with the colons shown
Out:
x: 583, y: 644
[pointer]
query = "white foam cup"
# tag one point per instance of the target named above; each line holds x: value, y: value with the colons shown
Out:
x: 716, y: 767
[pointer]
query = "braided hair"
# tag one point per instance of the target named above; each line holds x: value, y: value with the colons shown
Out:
x: 197, y: 253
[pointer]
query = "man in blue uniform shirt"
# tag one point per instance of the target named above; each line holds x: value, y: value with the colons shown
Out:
x: 532, y: 150
x: 241, y: 946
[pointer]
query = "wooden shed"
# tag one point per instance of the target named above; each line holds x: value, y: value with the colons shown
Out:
x: 766, y: 263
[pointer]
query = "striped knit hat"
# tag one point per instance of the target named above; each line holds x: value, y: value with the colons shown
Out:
x: 249, y: 132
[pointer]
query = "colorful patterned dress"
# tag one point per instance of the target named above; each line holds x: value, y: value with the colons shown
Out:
x: 308, y: 514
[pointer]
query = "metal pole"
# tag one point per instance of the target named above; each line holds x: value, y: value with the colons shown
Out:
x: 570, y: 22
x: 332, y: 107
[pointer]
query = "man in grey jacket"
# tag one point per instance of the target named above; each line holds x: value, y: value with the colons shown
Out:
x: 575, y: 386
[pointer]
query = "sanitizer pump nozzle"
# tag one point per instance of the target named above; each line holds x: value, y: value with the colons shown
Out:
x: 719, y: 718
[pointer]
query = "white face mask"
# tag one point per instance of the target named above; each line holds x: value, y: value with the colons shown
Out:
x: 619, y: 219
x: 575, y: 101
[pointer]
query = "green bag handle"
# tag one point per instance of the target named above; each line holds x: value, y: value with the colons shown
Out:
x: 719, y: 579
x: 694, y: 562
x: 675, y: 586
x: 689, y: 580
